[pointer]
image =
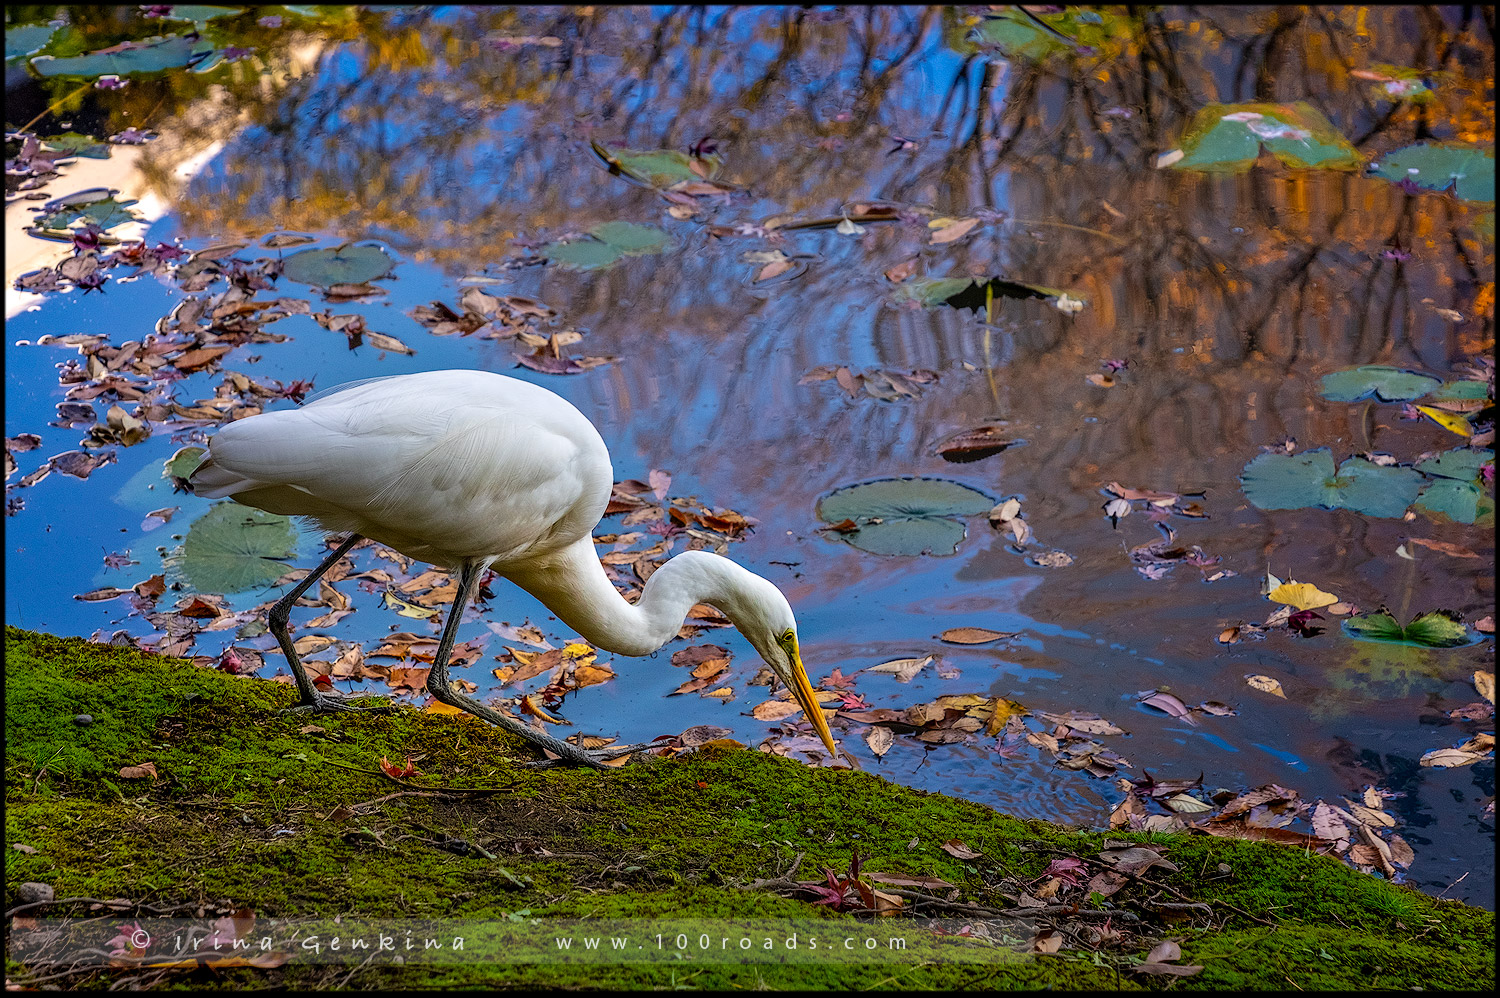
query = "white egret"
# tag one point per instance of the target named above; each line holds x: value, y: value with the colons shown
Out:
x: 471, y: 470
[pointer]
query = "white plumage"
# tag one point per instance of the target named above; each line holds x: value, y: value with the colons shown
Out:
x: 472, y: 470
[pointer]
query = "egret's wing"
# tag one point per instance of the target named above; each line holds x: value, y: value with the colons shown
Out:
x: 499, y: 473
x: 322, y: 394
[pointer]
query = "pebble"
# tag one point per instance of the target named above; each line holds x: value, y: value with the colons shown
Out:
x: 31, y: 892
x: 83, y: 720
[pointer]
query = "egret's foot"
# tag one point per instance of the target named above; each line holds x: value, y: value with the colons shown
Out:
x: 328, y: 705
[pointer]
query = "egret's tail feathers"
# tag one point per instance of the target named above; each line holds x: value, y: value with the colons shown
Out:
x: 213, y: 482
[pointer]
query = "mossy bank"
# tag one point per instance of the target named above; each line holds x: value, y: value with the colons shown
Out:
x: 292, y: 816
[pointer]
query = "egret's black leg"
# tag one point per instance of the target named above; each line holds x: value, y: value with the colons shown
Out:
x: 437, y: 685
x: 311, y: 700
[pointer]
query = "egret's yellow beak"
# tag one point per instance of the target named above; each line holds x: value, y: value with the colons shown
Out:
x: 803, y: 691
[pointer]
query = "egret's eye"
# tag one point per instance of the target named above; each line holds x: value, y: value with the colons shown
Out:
x: 789, y: 638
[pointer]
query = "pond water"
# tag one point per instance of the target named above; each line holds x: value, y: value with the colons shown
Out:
x: 1214, y: 300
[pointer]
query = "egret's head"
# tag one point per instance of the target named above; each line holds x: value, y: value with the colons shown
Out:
x: 769, y: 626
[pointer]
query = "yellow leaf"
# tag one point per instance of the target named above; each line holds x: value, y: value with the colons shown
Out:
x: 1302, y: 595
x: 579, y: 652
x: 438, y: 707
x: 953, y: 230
x: 1447, y: 420
x: 1004, y: 711
x: 973, y: 635
x: 1266, y: 685
x: 592, y: 675
x: 1484, y: 682
x: 391, y: 601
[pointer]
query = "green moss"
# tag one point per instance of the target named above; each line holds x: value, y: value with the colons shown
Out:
x: 252, y: 808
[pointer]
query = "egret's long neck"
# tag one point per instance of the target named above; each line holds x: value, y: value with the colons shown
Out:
x: 572, y: 584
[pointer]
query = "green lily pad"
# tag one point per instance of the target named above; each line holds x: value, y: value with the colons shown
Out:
x: 1462, y: 463
x: 1436, y: 166
x: 966, y: 292
x: 1016, y: 36
x: 1389, y: 384
x: 657, y: 167
x: 232, y: 548
x: 1297, y: 481
x: 79, y: 145
x: 1462, y: 391
x: 347, y: 264
x: 153, y: 55
x: 631, y: 237
x: 1434, y: 629
x: 608, y: 244
x: 184, y: 463
x: 583, y: 254
x: 95, y: 206
x: 1455, y: 501
x: 200, y: 13
x: 26, y: 39
x: 904, y: 516
x: 1229, y: 137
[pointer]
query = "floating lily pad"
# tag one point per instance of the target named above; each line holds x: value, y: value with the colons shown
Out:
x: 79, y: 145
x: 608, y: 244
x: 631, y: 237
x: 26, y: 39
x: 658, y: 167
x: 200, y: 13
x: 1435, y: 629
x: 184, y: 463
x: 347, y: 264
x: 232, y: 548
x: 1459, y: 502
x: 1297, y: 481
x: 1462, y: 463
x: 1436, y: 166
x: 1461, y: 391
x: 1229, y: 137
x: 153, y: 55
x: 1016, y: 36
x: 583, y: 254
x: 966, y: 292
x: 904, y: 516
x: 1389, y: 384
x: 1456, y: 495
x: 95, y: 206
